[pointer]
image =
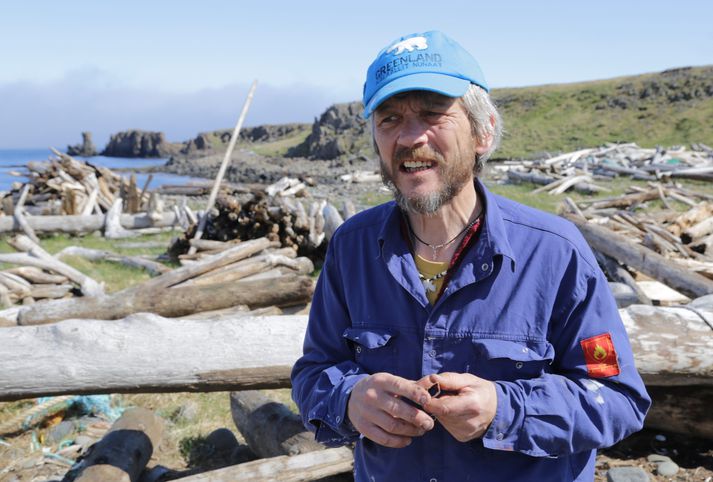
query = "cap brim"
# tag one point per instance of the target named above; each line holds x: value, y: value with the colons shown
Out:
x: 442, y: 84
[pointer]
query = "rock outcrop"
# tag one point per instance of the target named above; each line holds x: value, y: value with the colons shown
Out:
x: 339, y: 131
x: 207, y: 143
x: 137, y: 143
x: 85, y: 149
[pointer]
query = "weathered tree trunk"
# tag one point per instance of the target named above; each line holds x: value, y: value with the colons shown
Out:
x: 672, y: 345
x: 177, y: 301
x: 85, y: 224
x: 684, y: 410
x: 298, y: 468
x: 146, y: 353
x: 269, y: 427
x: 642, y: 259
x: 122, y: 454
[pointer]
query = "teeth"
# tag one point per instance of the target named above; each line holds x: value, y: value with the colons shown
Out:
x: 416, y: 164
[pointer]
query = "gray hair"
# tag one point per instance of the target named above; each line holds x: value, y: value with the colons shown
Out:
x: 484, y: 120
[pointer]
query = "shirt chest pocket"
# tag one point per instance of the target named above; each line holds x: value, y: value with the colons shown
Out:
x: 374, y: 348
x: 510, y: 360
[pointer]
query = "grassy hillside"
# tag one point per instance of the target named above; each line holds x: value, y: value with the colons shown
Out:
x: 667, y: 108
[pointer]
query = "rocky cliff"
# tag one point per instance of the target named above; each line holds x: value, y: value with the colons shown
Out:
x: 207, y: 143
x: 137, y: 143
x: 339, y: 131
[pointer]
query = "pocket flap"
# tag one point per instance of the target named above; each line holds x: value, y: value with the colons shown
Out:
x: 368, y: 337
x: 493, y: 348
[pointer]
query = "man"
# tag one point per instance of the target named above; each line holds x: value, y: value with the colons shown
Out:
x: 456, y: 335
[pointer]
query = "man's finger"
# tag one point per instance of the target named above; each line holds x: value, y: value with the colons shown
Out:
x: 396, y: 426
x: 403, y: 388
x: 448, y: 405
x: 399, y: 408
x: 450, y: 381
x: 381, y: 437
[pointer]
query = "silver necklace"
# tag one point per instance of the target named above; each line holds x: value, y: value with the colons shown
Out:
x: 436, y: 247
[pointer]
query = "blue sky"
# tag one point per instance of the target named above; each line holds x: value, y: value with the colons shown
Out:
x: 184, y: 67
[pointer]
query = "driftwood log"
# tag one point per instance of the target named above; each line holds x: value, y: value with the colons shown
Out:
x: 642, y: 259
x: 177, y: 301
x: 122, y: 454
x: 298, y: 468
x: 672, y: 345
x: 685, y: 410
x: 145, y: 353
x: 269, y: 427
x: 76, y: 224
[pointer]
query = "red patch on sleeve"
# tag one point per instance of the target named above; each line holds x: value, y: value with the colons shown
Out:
x: 600, y: 355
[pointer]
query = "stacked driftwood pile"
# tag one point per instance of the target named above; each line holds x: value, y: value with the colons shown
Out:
x: 64, y: 185
x: 276, y: 212
x: 65, y: 195
x: 586, y: 170
x: 669, y: 245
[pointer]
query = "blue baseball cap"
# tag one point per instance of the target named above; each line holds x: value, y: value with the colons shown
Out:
x: 421, y: 61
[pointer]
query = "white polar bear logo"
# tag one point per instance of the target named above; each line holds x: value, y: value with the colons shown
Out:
x: 410, y: 44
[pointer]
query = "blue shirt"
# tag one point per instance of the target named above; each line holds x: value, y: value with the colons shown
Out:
x: 516, y: 311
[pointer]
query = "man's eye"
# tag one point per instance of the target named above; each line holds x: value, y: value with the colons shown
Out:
x: 388, y: 119
x: 433, y: 113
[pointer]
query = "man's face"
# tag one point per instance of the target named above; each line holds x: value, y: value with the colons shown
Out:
x: 426, y: 147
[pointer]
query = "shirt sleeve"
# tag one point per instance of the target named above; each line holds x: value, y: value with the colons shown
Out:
x: 323, y: 378
x: 580, y: 404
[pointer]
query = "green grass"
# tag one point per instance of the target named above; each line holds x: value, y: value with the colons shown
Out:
x: 667, y: 108
x: 652, y: 109
x: 280, y: 147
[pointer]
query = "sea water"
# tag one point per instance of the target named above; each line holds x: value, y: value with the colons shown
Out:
x: 13, y: 167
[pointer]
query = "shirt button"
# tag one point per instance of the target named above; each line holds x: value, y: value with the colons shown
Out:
x: 358, y: 349
x: 524, y: 350
x: 499, y: 436
x: 518, y: 365
x: 339, y: 419
x: 432, y: 353
x: 433, y: 479
x: 485, y: 267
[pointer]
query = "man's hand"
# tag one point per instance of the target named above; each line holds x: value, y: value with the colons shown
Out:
x: 466, y: 406
x: 377, y: 409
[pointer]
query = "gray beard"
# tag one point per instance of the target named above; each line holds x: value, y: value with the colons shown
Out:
x: 428, y: 204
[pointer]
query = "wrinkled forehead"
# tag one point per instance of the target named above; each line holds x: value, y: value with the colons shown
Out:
x: 417, y: 99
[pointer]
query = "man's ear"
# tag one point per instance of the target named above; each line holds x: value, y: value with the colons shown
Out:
x: 483, y: 145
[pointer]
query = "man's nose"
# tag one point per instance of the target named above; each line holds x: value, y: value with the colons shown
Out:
x: 413, y: 133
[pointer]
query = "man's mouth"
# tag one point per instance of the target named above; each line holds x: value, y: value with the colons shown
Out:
x: 416, y: 166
